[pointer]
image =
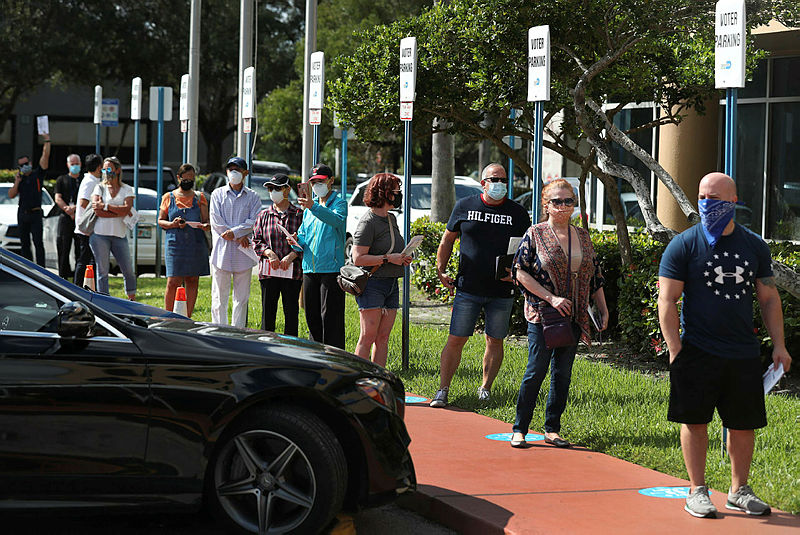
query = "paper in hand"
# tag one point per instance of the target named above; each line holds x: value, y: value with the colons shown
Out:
x: 513, y: 245
x: 43, y: 124
x: 415, y: 242
x: 194, y: 224
x: 772, y: 376
x: 249, y: 252
x: 283, y: 229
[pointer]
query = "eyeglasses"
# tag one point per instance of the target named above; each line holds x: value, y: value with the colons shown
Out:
x: 569, y: 201
x: 502, y: 179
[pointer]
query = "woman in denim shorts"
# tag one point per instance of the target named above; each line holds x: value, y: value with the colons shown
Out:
x: 377, y: 242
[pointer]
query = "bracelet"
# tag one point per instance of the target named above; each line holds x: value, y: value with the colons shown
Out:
x: 45, y: 141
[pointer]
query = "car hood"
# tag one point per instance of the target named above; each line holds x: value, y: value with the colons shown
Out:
x: 255, y: 345
x: 8, y: 214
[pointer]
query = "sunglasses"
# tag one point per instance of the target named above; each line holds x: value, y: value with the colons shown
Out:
x: 569, y: 201
x: 275, y: 188
x: 502, y: 179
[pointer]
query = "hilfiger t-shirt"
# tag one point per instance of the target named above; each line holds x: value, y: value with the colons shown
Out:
x: 719, y: 283
x: 485, y: 230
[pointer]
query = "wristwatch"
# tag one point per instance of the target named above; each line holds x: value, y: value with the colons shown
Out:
x: 385, y: 260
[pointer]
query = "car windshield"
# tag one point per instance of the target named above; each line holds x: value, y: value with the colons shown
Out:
x: 146, y: 202
x: 4, y: 199
x: 421, y: 195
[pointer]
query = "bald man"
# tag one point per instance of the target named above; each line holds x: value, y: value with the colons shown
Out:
x: 718, y: 266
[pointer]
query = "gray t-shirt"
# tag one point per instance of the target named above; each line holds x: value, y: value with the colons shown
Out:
x: 373, y: 232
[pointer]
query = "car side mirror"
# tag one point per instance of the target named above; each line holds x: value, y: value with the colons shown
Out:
x: 75, y: 320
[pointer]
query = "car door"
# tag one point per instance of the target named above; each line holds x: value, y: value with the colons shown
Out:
x: 73, y: 412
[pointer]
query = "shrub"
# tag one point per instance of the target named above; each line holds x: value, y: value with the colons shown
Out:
x: 424, y: 268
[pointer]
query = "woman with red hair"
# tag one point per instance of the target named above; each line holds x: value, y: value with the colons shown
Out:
x: 377, y: 242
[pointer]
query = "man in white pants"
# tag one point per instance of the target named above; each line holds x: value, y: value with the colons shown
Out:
x: 233, y: 212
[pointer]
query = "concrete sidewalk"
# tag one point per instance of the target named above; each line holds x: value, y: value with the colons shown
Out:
x: 480, y: 486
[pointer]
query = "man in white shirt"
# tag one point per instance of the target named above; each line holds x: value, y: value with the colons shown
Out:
x: 83, y: 254
x: 233, y: 213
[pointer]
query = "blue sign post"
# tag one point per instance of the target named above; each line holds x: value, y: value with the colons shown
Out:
x: 538, y: 92
x: 161, y: 111
x: 408, y: 94
x: 730, y: 43
x: 512, y: 114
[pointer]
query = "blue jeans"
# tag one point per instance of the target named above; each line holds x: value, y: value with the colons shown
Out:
x: 467, y: 308
x: 102, y: 247
x: 539, y: 358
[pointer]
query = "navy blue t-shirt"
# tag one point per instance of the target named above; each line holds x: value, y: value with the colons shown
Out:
x: 485, y: 230
x: 719, y: 283
x: 30, y: 190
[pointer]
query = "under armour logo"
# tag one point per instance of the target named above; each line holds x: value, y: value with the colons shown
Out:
x: 721, y: 275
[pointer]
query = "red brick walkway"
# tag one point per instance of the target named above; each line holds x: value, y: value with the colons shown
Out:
x: 481, y: 486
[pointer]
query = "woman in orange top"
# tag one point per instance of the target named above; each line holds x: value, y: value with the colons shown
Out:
x: 186, y: 251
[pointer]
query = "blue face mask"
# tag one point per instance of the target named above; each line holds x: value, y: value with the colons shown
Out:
x: 74, y: 169
x: 25, y: 169
x: 715, y: 216
x: 497, y: 190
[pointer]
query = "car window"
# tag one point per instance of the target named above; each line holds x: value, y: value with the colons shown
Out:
x: 24, y: 307
x: 421, y: 194
x: 358, y: 197
x: 147, y: 202
x: 147, y: 179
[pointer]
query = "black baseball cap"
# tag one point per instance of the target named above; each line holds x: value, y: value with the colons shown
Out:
x: 321, y: 171
x: 278, y: 180
x: 238, y: 162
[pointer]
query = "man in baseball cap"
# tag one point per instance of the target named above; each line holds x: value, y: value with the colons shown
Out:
x: 233, y: 212
x: 321, y: 238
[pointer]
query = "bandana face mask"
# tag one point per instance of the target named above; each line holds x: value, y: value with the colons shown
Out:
x: 715, y: 216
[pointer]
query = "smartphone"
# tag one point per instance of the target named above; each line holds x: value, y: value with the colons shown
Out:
x: 182, y: 221
x: 303, y: 190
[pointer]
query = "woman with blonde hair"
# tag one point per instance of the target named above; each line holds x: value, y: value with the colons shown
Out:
x: 377, y: 243
x: 555, y: 265
x: 112, y: 201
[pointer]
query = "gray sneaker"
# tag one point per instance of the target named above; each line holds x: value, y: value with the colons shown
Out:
x: 483, y: 394
x: 440, y: 399
x: 746, y: 500
x: 699, y: 504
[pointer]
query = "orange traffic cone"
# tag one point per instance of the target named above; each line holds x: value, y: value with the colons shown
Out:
x: 88, y: 278
x: 179, y: 306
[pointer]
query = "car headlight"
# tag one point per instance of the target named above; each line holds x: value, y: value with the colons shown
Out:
x: 378, y: 391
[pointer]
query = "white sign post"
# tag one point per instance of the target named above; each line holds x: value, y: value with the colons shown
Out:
x: 408, y: 94
x: 98, y: 116
x: 538, y: 92
x: 316, y: 98
x: 248, y: 112
x: 183, y: 109
x: 730, y: 38
x: 136, y: 117
x: 160, y: 111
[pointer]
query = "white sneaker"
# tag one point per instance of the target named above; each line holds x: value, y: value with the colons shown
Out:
x: 440, y: 399
x: 483, y: 394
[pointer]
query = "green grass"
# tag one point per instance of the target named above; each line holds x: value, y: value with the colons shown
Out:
x: 618, y: 412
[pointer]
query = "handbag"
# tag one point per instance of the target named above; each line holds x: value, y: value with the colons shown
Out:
x: 557, y: 329
x: 88, y: 219
x: 353, y: 279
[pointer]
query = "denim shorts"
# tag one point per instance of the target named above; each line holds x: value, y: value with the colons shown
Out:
x: 380, y: 293
x: 467, y: 307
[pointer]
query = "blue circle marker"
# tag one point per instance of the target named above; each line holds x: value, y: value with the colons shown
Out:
x: 506, y: 437
x: 666, y: 492
x: 415, y: 399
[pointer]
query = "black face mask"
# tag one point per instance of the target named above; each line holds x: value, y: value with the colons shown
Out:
x: 397, y: 202
x: 186, y: 185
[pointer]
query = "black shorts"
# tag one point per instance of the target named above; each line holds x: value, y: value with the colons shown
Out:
x: 700, y: 381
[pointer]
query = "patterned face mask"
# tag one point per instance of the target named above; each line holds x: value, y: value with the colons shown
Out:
x: 715, y: 215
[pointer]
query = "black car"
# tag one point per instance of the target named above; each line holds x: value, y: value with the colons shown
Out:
x: 273, y: 433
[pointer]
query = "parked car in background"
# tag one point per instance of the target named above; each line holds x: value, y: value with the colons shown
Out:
x: 420, y: 202
x: 148, y: 178
x: 9, y: 231
x: 575, y: 182
x: 216, y: 180
x: 111, y: 411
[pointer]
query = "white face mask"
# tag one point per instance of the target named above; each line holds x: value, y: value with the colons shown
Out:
x: 276, y: 196
x: 320, y: 189
x: 497, y: 190
x: 235, y: 177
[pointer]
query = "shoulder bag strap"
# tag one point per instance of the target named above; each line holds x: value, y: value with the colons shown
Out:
x: 392, y: 223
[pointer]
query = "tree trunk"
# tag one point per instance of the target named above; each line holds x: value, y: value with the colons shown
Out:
x: 443, y: 190
x: 484, y: 146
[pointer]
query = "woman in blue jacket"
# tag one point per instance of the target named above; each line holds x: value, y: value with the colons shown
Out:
x: 322, y: 237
